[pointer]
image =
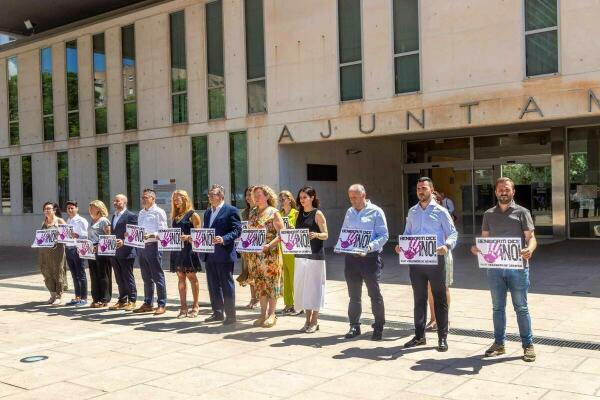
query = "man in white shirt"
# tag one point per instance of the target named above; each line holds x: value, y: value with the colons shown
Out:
x: 80, y: 227
x: 152, y: 218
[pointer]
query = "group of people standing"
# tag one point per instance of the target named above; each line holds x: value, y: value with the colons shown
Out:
x: 269, y: 273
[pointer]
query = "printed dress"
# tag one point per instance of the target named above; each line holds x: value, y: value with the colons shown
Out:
x: 264, y: 269
x: 53, y: 265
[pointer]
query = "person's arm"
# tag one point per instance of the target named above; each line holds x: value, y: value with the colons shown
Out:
x: 278, y: 225
x: 380, y: 233
x: 450, y: 204
x: 528, y: 230
x: 322, y: 223
x: 235, y: 225
x: 449, y: 231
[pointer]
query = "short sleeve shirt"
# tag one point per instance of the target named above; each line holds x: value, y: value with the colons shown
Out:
x: 510, y: 223
x: 97, y: 229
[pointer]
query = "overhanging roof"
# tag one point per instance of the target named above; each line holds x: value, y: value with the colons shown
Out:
x: 48, y: 15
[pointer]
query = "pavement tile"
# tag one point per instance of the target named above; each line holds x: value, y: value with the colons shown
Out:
x: 324, y: 367
x: 576, y: 382
x: 59, y: 390
x: 153, y: 348
x: 590, y: 365
x: 6, y: 390
x: 143, y: 392
x: 229, y: 393
x: 476, y: 389
x: 363, y: 386
x: 116, y: 378
x: 497, y: 370
x: 7, y: 370
x: 13, y: 361
x: 402, y: 369
x: 245, y: 365
x: 556, y: 395
x: 174, y: 362
x: 437, y: 384
x: 279, y: 383
x: 221, y: 349
x: 89, y: 347
x: 195, y: 381
x: 37, y: 377
x: 317, y: 395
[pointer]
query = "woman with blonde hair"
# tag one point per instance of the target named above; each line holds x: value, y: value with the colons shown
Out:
x: 185, y: 263
x: 289, y: 213
x: 100, y: 268
x: 243, y: 276
x: 53, y: 261
x: 265, y: 268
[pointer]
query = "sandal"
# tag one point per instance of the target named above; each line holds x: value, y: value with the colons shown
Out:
x: 182, y: 314
x: 431, y: 327
x: 252, y: 304
x: 193, y: 313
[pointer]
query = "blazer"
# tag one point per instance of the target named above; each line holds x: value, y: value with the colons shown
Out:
x: 227, y: 224
x: 128, y: 217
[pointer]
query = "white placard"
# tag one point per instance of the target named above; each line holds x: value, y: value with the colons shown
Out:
x: 286, y: 223
x: 45, y: 238
x: 169, y: 239
x: 107, y: 245
x: 417, y: 249
x: 252, y: 240
x: 496, y: 252
x: 134, y: 236
x: 353, y: 241
x: 202, y: 240
x: 65, y: 234
x: 85, y: 249
x: 295, y: 241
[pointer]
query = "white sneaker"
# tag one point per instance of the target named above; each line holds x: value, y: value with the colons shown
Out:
x: 57, y: 301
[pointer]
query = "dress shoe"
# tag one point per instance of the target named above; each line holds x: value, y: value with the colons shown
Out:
x: 415, y: 341
x: 159, y: 311
x: 442, y: 345
x: 353, y: 332
x: 270, y: 321
x: 117, y: 306
x: 312, y: 328
x: 229, y: 321
x: 129, y: 306
x: 215, y: 317
x: 143, y: 308
x: 377, y: 334
x: 259, y: 322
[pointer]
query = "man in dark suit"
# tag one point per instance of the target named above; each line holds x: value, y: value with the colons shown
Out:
x: 225, y: 220
x: 122, y: 262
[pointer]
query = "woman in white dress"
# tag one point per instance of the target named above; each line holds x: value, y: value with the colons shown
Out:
x: 309, y: 274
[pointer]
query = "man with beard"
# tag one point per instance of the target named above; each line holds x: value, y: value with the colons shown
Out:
x: 507, y: 219
x: 430, y: 218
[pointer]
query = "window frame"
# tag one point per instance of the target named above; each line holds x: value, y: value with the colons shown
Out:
x: 208, y: 88
x: 22, y: 158
x: 68, y: 112
x: 185, y: 92
x: 231, y: 169
x: 362, y: 54
x: 407, y: 53
x: 66, y: 152
x: 18, y: 120
x: 264, y: 77
x: 526, y: 33
x: 51, y: 115
x: 2, y: 177
x: 123, y: 101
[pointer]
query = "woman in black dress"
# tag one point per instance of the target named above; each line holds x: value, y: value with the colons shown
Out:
x: 185, y: 262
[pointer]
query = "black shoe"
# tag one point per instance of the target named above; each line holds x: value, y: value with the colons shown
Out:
x: 215, y: 317
x: 229, y: 321
x: 442, y: 345
x: 377, y: 334
x: 415, y: 342
x: 353, y: 332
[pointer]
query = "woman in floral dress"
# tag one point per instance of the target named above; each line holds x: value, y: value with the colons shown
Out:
x: 265, y: 268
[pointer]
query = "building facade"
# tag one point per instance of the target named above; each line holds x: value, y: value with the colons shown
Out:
x: 186, y: 93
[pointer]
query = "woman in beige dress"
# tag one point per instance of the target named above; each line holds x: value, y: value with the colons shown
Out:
x: 53, y: 261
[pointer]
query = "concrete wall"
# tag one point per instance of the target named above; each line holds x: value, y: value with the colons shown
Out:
x: 469, y: 51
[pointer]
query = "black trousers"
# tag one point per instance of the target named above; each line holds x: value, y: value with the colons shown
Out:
x: 123, y: 270
x: 77, y: 272
x: 436, y: 276
x: 368, y: 270
x: 101, y: 279
x: 221, y: 287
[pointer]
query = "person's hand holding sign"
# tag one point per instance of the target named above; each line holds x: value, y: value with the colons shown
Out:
x: 526, y: 253
x: 442, y: 250
x: 475, y: 250
x: 119, y: 243
x: 219, y: 240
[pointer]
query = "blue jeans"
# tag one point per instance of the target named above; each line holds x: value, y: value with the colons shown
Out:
x: 152, y: 274
x: 517, y: 282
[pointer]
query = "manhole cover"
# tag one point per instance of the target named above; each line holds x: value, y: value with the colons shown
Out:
x: 582, y: 292
x: 33, y: 359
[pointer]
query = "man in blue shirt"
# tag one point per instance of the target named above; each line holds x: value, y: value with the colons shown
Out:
x: 365, y: 267
x: 430, y: 218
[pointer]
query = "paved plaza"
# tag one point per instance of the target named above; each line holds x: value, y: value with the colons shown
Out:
x: 96, y: 353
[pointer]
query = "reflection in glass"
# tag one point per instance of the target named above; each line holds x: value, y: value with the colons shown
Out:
x: 238, y: 164
x: 99, y: 58
x: 62, y: 174
x: 13, y: 100
x: 27, y: 184
x: 178, y: 67
x: 200, y: 171
x: 214, y: 49
x: 5, y: 186
x: 255, y: 56
x: 517, y: 144
x: 438, y: 150
x: 72, y: 88
x: 47, y: 95
x: 132, y: 166
x: 350, y: 49
x: 103, y: 175
x: 129, y: 77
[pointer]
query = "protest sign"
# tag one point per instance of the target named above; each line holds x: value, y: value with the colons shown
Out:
x: 295, y: 241
x: 202, y: 240
x: 417, y: 249
x: 496, y: 252
x: 353, y: 241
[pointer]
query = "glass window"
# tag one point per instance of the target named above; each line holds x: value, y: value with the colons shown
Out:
x: 13, y: 100
x: 129, y: 77
x: 238, y: 164
x: 178, y: 67
x: 132, y: 165
x: 406, y: 46
x: 440, y: 150
x: 515, y: 144
x: 72, y: 89
x: 47, y: 96
x: 214, y: 49
x: 350, y: 49
x: 200, y: 171
x: 103, y: 177
x: 26, y: 176
x: 99, y: 60
x: 584, y: 182
x: 255, y: 56
x: 541, y: 37
x: 5, y: 185
x: 62, y: 174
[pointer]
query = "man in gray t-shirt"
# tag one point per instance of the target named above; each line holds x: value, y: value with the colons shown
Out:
x: 507, y: 219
